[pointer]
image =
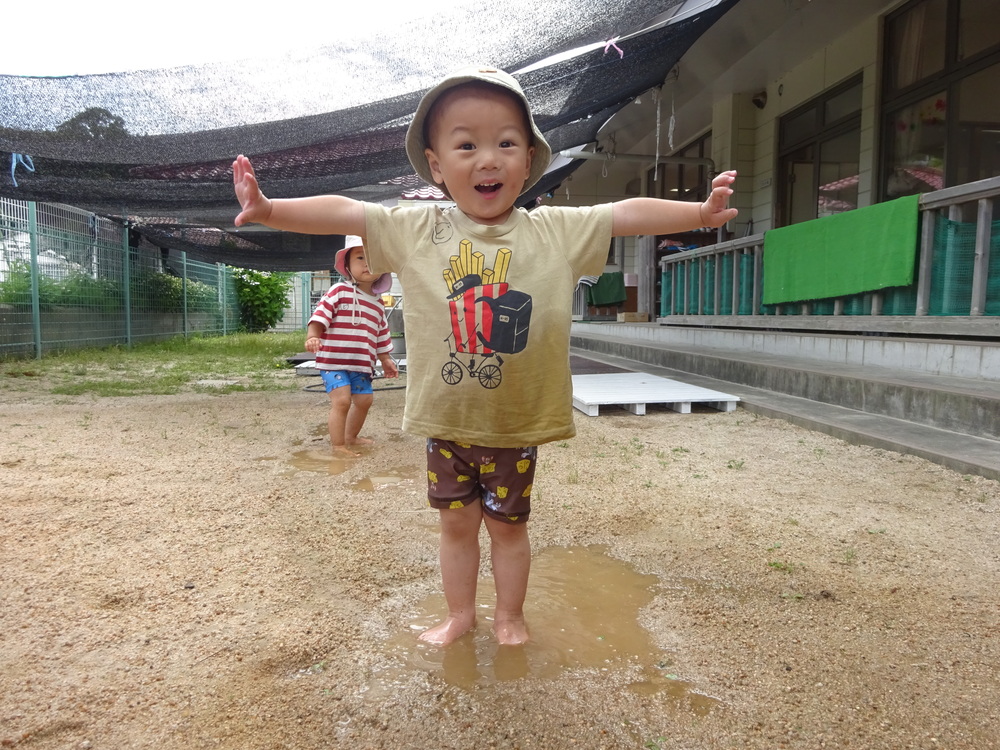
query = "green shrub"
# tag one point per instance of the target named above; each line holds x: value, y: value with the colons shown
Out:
x: 263, y: 297
x: 16, y: 287
x: 79, y: 289
x: 201, y: 297
x: 158, y: 292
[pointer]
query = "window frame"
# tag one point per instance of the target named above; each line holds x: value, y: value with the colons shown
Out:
x: 947, y: 82
x: 822, y: 132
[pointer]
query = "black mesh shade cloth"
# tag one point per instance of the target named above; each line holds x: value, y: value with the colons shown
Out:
x: 155, y: 148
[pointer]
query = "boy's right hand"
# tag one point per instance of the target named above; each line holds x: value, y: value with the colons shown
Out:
x: 256, y: 207
x: 313, y: 344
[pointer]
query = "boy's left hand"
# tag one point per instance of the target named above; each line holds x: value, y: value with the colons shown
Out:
x: 714, y: 211
x: 389, y: 368
x: 256, y: 207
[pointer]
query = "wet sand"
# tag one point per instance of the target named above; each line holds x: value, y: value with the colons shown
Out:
x: 196, y: 571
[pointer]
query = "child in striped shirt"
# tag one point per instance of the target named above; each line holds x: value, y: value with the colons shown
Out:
x: 347, y: 333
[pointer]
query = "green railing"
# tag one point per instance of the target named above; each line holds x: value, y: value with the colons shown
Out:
x: 956, y: 289
x: 71, y: 279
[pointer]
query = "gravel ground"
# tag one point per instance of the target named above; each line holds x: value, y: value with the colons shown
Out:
x: 195, y: 571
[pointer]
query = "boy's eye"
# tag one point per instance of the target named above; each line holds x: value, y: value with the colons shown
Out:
x: 506, y: 144
x: 466, y: 147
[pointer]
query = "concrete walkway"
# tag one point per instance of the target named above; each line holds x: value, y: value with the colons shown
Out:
x: 966, y: 453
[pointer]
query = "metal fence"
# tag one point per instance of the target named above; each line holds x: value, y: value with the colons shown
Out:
x: 303, y: 295
x: 72, y: 279
x: 956, y: 290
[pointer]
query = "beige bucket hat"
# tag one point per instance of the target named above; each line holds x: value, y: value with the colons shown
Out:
x: 416, y: 142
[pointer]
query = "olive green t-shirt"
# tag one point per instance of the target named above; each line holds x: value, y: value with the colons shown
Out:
x: 487, y: 313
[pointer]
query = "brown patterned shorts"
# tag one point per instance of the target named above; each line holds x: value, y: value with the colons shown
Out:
x: 459, y: 474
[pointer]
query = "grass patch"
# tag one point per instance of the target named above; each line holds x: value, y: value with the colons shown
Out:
x: 785, y: 567
x: 166, y: 367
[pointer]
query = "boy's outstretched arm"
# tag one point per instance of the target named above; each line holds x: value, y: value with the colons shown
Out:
x: 321, y: 214
x: 654, y: 216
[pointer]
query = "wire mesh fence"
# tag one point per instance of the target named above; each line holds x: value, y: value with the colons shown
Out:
x: 72, y: 279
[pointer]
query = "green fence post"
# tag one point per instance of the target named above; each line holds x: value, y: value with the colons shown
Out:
x: 221, y: 281
x: 127, y: 276
x: 664, y: 293
x: 306, y: 277
x: 184, y: 290
x: 36, y: 308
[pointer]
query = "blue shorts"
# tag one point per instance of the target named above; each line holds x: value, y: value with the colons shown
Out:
x: 359, y: 381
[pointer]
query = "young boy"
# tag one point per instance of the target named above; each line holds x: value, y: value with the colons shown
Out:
x: 488, y: 293
x: 347, y: 332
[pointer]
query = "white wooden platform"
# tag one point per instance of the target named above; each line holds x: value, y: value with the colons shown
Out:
x: 633, y: 390
x: 306, y: 368
x: 309, y: 368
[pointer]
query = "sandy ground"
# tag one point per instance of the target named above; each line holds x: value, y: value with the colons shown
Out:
x: 194, y: 571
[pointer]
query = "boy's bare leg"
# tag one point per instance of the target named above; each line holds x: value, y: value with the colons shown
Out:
x: 510, y: 550
x: 360, y: 404
x: 459, y: 572
x: 340, y: 406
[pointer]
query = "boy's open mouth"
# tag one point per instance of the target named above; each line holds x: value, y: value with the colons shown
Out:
x: 491, y: 187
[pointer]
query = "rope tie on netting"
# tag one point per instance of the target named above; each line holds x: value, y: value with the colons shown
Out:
x: 611, y: 155
x: 673, y: 122
x: 611, y: 45
x: 24, y: 160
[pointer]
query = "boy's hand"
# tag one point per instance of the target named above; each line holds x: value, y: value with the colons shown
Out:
x: 389, y: 368
x: 256, y: 207
x: 313, y: 344
x: 714, y: 211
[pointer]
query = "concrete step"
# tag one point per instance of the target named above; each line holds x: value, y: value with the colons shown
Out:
x: 952, y: 421
x: 965, y: 405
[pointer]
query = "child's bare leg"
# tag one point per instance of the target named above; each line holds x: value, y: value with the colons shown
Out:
x: 360, y: 404
x: 340, y: 405
x: 510, y: 550
x: 459, y: 572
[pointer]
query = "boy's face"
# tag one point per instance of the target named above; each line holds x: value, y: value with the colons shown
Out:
x: 480, y: 150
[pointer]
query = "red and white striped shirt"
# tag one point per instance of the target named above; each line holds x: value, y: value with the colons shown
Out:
x: 355, y: 329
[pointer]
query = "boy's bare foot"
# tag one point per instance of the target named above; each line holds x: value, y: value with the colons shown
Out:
x: 343, y: 450
x: 361, y: 441
x: 447, y: 631
x: 511, y: 632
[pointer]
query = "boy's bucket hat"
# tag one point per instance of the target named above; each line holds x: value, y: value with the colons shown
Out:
x: 415, y: 142
x: 381, y: 284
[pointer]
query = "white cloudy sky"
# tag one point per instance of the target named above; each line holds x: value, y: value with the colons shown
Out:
x: 110, y: 36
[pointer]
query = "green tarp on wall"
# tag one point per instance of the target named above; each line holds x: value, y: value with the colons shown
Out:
x: 609, y: 290
x: 856, y: 251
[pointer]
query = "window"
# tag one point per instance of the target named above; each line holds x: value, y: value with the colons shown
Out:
x: 940, y: 113
x: 977, y: 150
x: 819, y: 152
x: 915, y: 44
x: 916, y: 147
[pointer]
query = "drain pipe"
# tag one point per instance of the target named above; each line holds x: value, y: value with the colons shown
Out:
x: 610, y: 156
x: 690, y: 160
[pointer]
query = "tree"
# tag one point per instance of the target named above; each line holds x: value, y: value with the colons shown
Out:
x: 95, y: 123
